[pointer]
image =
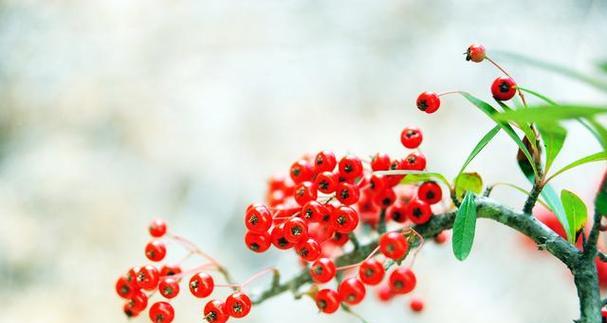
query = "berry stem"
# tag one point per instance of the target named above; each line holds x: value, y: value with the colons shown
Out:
x: 194, y: 270
x: 448, y: 93
x: 371, y: 254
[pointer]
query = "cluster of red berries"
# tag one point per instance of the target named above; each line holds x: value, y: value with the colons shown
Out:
x: 140, y: 283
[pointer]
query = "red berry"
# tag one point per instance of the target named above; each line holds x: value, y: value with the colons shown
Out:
x: 344, y: 219
x: 441, y: 237
x: 604, y: 314
x: 301, y: 171
x: 125, y: 288
x: 276, y: 183
x: 278, y: 238
x: 384, y: 293
x: 215, y: 312
x: 416, y: 305
x: 322, y: 270
x: 428, y: 102
x: 430, y: 192
x: 398, y: 212
x: 327, y: 300
x: 155, y: 250
x: 131, y: 276
x: 157, y: 228
x: 380, y: 162
x: 402, y: 281
x: 309, y: 250
x: 257, y: 242
x: 238, y: 305
x: 347, y: 193
x: 414, y: 161
x: 418, y: 211
x: 162, y: 312
x: 475, y: 53
x: 503, y: 88
x: 136, y: 304
x: 304, y: 193
x: 258, y: 219
x: 313, y: 211
x: 340, y: 239
x: 411, y: 137
x: 350, y: 167
x: 147, y: 277
x: 371, y: 272
x: 170, y: 270
x: 393, y: 180
x: 168, y: 287
x: 326, y: 182
x: 201, y: 285
x: 324, y: 162
x: 295, y: 230
x: 376, y: 183
x: 351, y: 291
x: 393, y: 245
x: 385, y: 198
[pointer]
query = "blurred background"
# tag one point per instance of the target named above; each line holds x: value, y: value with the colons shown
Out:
x: 114, y: 112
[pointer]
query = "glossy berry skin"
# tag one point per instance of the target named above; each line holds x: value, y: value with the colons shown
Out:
x: 414, y: 161
x: 157, y: 228
x: 304, y: 193
x: 376, y: 183
x: 155, y: 250
x: 503, y: 88
x: 313, y: 211
x: 340, y: 239
x: 322, y: 270
x: 324, y: 162
x: 295, y: 230
x: 136, y: 304
x: 162, y: 312
x: 148, y: 277
x: 169, y: 270
x: 476, y: 53
x: 402, y: 281
x: 416, y: 305
x: 344, y: 219
x: 398, y: 212
x: 201, y: 285
x: 350, y: 167
x: 371, y: 272
x: 238, y: 305
x: 347, y: 193
x: 384, y: 293
x: 351, y: 291
x: 309, y: 250
x: 430, y: 192
x: 125, y: 288
x: 418, y: 211
x: 327, y: 300
x: 411, y: 137
x: 257, y: 242
x: 214, y: 312
x: 380, y: 162
x: 326, y: 182
x: 428, y: 102
x: 278, y: 238
x: 393, y: 180
x: 168, y: 287
x: 258, y: 219
x: 393, y: 245
x: 385, y: 198
x: 301, y: 171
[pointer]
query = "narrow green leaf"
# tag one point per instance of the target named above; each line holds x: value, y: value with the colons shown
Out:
x: 576, y: 212
x: 464, y: 227
x: 479, y: 146
x: 552, y: 199
x: 597, y: 130
x: 468, y: 182
x: 553, y: 136
x: 550, y: 113
x: 538, y: 95
x: 588, y: 159
x: 413, y: 176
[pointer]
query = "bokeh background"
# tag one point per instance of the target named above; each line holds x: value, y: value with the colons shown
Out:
x: 114, y: 112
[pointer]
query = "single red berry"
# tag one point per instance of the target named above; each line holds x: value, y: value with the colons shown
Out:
x: 430, y: 192
x: 416, y: 305
x: 170, y: 270
x: 304, y: 193
x: 324, y: 162
x: 301, y: 171
x: 347, y: 193
x: 278, y: 238
x: 350, y: 167
x: 385, y: 198
x: 418, y: 211
x: 340, y: 239
x: 157, y: 228
x: 428, y: 102
x: 326, y: 182
x: 148, y: 277
x: 327, y: 300
x: 376, y: 183
x: 136, y: 304
x: 475, y: 53
x: 155, y: 250
x: 295, y: 230
x: 131, y: 276
x: 238, y: 305
x: 201, y: 285
x: 402, y: 281
x: 128, y: 311
x: 398, y: 212
x: 257, y: 242
x: 162, y: 312
x: 215, y: 312
x: 125, y: 288
x: 344, y: 219
x: 414, y: 161
x: 503, y: 88
x: 309, y: 250
x: 393, y: 180
x: 258, y: 219
x: 371, y: 271
x: 322, y: 270
x: 380, y: 162
x: 351, y: 291
x: 393, y: 245
x: 411, y: 137
x: 441, y: 237
x: 276, y: 182
x: 603, y: 315
x: 168, y: 287
x: 384, y: 293
x: 313, y: 211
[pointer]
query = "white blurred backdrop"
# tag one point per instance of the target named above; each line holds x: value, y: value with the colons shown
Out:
x: 113, y: 112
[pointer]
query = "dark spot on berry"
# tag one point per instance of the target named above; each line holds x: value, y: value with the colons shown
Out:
x: 504, y: 87
x: 283, y: 242
x: 417, y: 212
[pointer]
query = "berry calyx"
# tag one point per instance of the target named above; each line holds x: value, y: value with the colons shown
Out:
x: 418, y: 211
x: 371, y: 272
x: 278, y: 238
x: 385, y: 198
x: 125, y: 288
x: 238, y: 305
x: 295, y: 230
x: 351, y: 291
x: 170, y: 270
x: 398, y: 212
x: 430, y: 192
x: 214, y: 312
x: 162, y: 312
x: 258, y: 219
x: 168, y: 287
x: 313, y: 211
x: 148, y: 277
x: 393, y: 245
x: 324, y: 162
x: 322, y: 270
x: 416, y: 305
x: 347, y: 193
x: 309, y: 250
x: 411, y: 137
x: 301, y: 171
x: 136, y: 304
x: 344, y: 219
x: 155, y: 250
x: 402, y: 281
x: 201, y: 285
x: 304, y: 193
x: 326, y: 182
x: 428, y: 102
x: 503, y: 88
x: 257, y: 242
x: 414, y: 161
x: 327, y: 300
x: 476, y: 53
x: 157, y: 228
x: 350, y: 167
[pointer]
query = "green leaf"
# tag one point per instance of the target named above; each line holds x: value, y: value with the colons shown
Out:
x: 597, y: 130
x: 550, y: 113
x: 492, y: 113
x: 552, y: 199
x: 464, y: 227
x: 602, y: 66
x: 600, y: 201
x: 588, y: 159
x: 479, y: 146
x: 577, y: 214
x: 553, y: 136
x: 413, y: 176
x: 468, y: 182
x: 538, y: 95
x: 524, y: 191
